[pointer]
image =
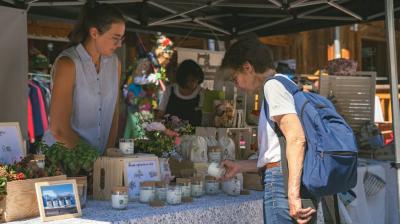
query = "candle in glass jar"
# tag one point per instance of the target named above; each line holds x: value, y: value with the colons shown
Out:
x: 215, y: 170
x: 126, y: 146
x: 212, y: 185
x: 119, y: 198
x: 39, y: 160
x: 161, y: 190
x: 174, y: 194
x: 197, y: 187
x: 147, y: 191
x: 185, y: 184
x: 214, y: 154
x: 232, y: 187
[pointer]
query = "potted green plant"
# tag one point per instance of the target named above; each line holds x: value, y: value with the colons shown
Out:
x: 76, y: 163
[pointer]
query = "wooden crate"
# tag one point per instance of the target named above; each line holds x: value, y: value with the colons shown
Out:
x: 109, y: 172
x: 20, y: 202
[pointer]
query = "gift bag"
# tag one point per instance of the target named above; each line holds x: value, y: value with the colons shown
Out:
x: 198, y: 152
x: 185, y: 146
x: 228, y: 147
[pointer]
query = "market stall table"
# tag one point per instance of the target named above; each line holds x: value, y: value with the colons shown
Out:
x: 207, y: 209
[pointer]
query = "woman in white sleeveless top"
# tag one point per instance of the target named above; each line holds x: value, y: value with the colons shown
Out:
x: 86, y: 79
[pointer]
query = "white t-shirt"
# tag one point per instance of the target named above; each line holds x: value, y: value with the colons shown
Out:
x: 165, y: 96
x: 280, y: 102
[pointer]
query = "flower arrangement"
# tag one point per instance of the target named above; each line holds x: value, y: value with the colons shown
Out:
x: 178, y: 125
x: 147, y: 78
x: 24, y: 169
x: 162, y: 138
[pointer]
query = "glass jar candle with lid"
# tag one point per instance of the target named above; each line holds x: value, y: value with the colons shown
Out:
x: 119, y: 198
x: 197, y: 188
x: 185, y: 184
x: 174, y: 194
x: 161, y: 190
x: 39, y: 160
x: 147, y: 191
x: 232, y: 187
x: 212, y: 185
x: 126, y: 146
x: 215, y: 170
x: 214, y: 154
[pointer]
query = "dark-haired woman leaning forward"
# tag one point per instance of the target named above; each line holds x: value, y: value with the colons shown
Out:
x: 86, y: 79
x: 182, y: 99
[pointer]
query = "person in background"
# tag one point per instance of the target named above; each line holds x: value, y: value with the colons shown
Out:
x: 182, y: 98
x: 86, y: 79
x: 283, y: 68
x: 248, y: 63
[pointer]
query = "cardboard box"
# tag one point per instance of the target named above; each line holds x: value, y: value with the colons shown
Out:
x: 20, y: 201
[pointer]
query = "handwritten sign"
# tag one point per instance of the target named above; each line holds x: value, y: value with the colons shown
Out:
x: 11, y: 144
x: 139, y: 170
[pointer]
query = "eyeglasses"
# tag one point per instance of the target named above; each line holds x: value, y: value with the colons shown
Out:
x: 118, y: 40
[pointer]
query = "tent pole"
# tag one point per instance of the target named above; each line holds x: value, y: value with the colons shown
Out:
x: 391, y: 45
x: 336, y: 43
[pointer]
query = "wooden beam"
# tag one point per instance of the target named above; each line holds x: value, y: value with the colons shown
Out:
x: 49, y: 28
x: 279, y: 40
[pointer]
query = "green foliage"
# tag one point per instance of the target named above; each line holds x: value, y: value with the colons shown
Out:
x: 3, y: 183
x: 72, y: 162
x: 156, y: 143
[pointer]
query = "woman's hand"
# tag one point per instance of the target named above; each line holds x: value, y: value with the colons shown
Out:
x: 301, y: 215
x: 232, y: 168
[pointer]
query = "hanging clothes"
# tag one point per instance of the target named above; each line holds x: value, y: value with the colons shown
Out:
x: 37, y: 114
x: 31, y: 129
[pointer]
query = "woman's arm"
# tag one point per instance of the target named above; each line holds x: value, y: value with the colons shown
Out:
x: 114, y: 126
x: 292, y: 129
x: 61, y: 102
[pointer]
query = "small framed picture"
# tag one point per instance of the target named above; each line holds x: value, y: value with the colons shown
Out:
x: 58, y: 200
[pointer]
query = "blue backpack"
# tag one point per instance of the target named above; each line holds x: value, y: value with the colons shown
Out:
x: 330, y: 160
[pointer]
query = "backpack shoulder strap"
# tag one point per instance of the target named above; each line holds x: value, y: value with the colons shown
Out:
x: 290, y: 86
x: 282, y: 141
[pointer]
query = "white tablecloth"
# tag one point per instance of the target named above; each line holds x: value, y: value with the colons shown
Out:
x: 381, y: 208
x: 216, y: 209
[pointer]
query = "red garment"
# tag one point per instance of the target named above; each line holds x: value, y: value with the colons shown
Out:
x: 31, y: 128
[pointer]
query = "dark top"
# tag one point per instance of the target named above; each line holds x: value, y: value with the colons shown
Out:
x: 184, y: 109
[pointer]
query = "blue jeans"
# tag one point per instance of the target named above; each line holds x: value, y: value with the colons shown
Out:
x: 276, y: 207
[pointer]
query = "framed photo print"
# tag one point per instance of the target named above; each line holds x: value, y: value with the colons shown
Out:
x: 58, y: 200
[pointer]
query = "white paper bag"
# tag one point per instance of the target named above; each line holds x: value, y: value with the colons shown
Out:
x: 198, y: 152
x: 228, y: 147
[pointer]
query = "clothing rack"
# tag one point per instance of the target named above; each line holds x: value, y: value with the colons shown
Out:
x: 39, y: 75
